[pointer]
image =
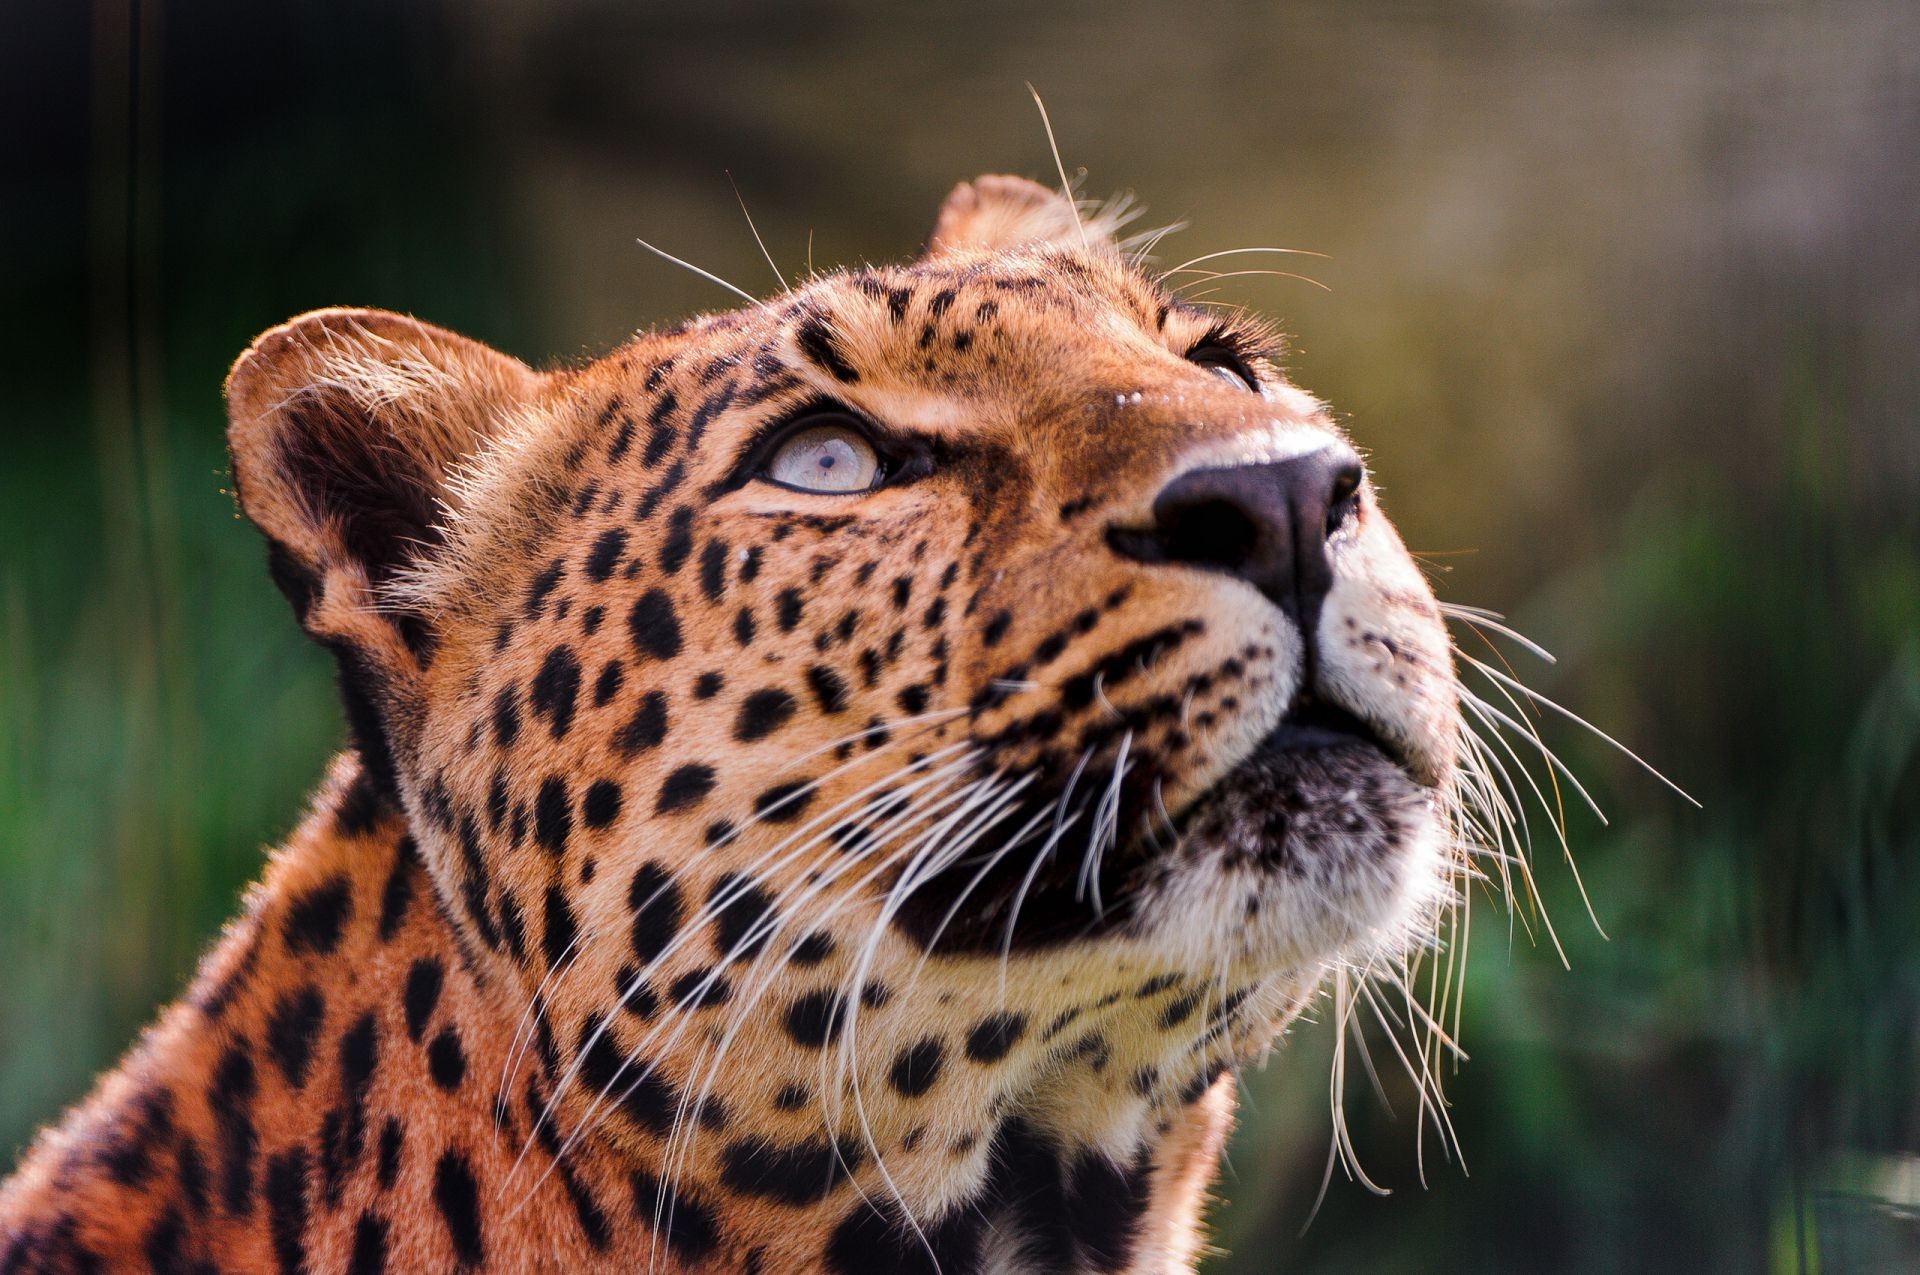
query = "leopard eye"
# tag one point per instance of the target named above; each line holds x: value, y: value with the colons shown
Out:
x: 1226, y: 365
x: 831, y: 458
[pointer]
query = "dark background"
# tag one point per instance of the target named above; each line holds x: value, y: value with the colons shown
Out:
x: 1625, y: 299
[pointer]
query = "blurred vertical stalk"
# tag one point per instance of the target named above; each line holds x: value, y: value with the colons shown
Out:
x: 150, y: 842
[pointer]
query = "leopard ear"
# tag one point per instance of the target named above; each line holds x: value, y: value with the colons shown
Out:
x: 344, y: 427
x: 997, y: 212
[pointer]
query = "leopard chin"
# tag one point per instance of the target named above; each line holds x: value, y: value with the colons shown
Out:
x: 1320, y: 847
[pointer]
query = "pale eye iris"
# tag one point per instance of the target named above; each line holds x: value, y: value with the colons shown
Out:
x: 826, y: 458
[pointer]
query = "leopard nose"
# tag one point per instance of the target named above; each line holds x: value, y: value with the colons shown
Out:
x: 1267, y: 524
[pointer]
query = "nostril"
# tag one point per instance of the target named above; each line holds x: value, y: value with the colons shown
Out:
x: 1344, y: 495
x: 1202, y: 531
x: 1211, y: 533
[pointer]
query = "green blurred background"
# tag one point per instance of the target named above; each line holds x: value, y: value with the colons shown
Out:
x: 1625, y: 299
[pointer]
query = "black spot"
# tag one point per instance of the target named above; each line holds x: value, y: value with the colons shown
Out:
x: 541, y: 585
x: 791, y: 606
x: 679, y: 542
x: 913, y: 699
x: 649, y: 501
x: 554, y: 688
x: 392, y: 1139
x: 446, y: 1061
x: 634, y: 995
x: 997, y: 628
x: 191, y: 1171
x: 875, y: 1236
x: 829, y: 689
x: 814, y: 1019
x: 506, y: 718
x: 398, y: 892
x: 1104, y: 1203
x: 513, y: 925
x: 290, y: 1032
x: 607, y: 685
x: 424, y: 981
x: 1179, y: 1009
x: 743, y: 627
x: 994, y: 1036
x: 762, y: 713
x: 690, y: 1228
x: 552, y: 815
x: 162, y: 1248
x: 713, y: 569
x: 359, y: 1055
x: 586, y: 1210
x: 655, y: 625
x: 699, y: 988
x: 605, y: 555
x: 317, y: 916
x: 657, y: 910
x: 783, y: 803
x: 661, y: 434
x: 741, y: 909
x: 813, y: 949
x: 230, y: 1097
x: 1155, y: 985
x: 458, y: 1198
x: 683, y: 788
x: 916, y: 1069
x: 601, y: 806
x: 498, y: 801
x: 560, y: 928
x: 369, y: 1246
x: 646, y: 728
x: 791, y: 1097
x: 142, y: 1129
x: 708, y: 685
x: 644, y: 1097
x: 286, y: 1188
x: 704, y: 415
x: 816, y: 341
x: 361, y: 806
x: 798, y: 1174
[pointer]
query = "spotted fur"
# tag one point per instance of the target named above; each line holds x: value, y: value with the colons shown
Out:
x: 730, y: 878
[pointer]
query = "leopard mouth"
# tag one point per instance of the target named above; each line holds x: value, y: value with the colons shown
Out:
x: 1321, y: 791
x: 1313, y: 723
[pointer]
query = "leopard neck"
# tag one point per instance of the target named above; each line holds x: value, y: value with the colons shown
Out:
x: 343, y: 1087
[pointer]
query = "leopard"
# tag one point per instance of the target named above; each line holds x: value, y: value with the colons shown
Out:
x: 840, y: 784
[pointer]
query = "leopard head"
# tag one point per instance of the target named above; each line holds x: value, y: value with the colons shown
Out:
x: 939, y: 705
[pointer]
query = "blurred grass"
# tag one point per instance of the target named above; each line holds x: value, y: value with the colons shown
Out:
x: 1626, y: 304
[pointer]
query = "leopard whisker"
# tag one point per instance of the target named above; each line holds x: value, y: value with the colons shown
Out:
x: 688, y: 932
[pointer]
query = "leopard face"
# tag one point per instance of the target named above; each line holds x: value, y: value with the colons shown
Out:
x: 939, y: 705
